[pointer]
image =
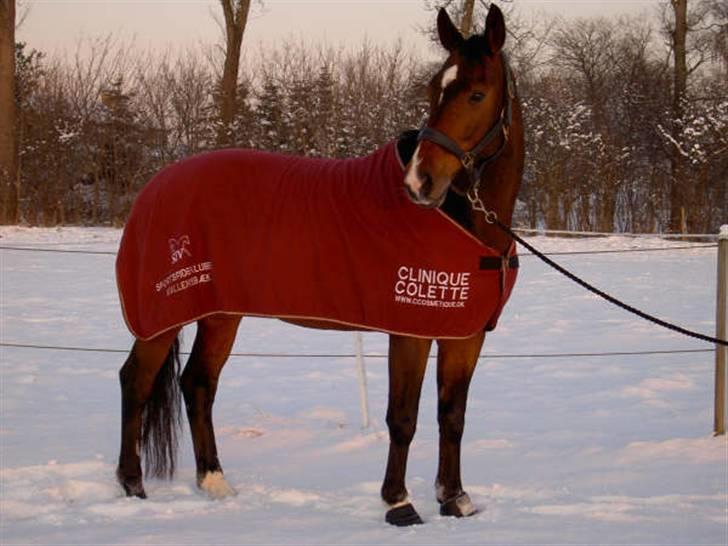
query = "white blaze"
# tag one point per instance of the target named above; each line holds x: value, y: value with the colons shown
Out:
x: 449, y: 76
x: 412, y: 180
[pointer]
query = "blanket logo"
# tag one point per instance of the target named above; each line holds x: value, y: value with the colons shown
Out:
x: 187, y: 277
x: 178, y: 248
x: 431, y: 288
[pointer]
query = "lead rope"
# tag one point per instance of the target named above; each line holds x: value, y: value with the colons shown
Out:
x: 492, y: 218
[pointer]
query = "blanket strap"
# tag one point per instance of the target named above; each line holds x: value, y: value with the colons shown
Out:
x: 498, y: 262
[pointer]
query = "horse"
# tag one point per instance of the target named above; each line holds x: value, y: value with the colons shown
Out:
x: 470, y: 153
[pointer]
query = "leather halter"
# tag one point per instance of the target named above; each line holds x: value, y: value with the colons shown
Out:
x: 473, y: 163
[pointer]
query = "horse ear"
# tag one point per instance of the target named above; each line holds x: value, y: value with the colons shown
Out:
x: 450, y: 36
x: 495, y: 29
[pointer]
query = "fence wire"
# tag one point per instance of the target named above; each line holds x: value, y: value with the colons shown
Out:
x: 681, y: 236
x: 526, y: 254
x: 489, y: 356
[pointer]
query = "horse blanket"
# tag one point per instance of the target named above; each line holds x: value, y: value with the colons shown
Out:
x: 254, y: 233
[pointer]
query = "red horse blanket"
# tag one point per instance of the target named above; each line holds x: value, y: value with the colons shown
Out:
x: 255, y: 233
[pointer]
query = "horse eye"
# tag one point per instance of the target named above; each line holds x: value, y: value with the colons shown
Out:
x: 476, y: 97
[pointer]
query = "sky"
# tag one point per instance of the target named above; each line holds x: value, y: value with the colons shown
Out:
x: 56, y: 26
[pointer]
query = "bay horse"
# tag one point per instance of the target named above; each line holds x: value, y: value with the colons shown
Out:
x: 470, y: 154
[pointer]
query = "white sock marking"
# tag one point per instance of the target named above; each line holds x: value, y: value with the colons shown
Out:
x: 215, y: 485
x: 403, y: 502
x: 465, y: 505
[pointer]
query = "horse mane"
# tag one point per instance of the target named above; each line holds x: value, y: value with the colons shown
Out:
x: 406, y: 145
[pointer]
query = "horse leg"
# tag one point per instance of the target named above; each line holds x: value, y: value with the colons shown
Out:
x: 214, y: 340
x: 407, y: 363
x: 456, y: 361
x: 140, y: 384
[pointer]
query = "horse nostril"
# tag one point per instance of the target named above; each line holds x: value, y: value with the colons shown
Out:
x: 410, y: 193
x: 427, y: 184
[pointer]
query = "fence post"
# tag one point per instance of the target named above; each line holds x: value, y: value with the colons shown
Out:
x: 362, y: 373
x: 721, y: 332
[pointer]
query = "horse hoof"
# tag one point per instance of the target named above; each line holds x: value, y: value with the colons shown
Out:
x: 133, y: 488
x: 458, y: 506
x: 403, y: 516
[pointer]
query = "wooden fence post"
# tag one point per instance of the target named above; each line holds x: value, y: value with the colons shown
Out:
x: 721, y: 332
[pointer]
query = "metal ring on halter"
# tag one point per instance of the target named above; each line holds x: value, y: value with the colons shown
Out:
x: 490, y: 216
x: 477, y: 204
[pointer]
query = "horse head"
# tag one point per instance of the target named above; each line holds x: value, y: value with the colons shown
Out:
x: 470, y: 110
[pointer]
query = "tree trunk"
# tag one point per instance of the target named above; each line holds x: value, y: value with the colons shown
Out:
x: 679, y: 39
x: 9, y: 183
x: 236, y: 17
x: 679, y: 186
x: 466, y: 24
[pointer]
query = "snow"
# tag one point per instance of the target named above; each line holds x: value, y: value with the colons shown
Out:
x: 613, y: 449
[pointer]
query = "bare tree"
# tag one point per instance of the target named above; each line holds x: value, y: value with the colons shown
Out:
x: 585, y: 47
x: 679, y: 53
x: 9, y: 187
x: 236, y: 17
x: 528, y: 40
x: 717, y: 29
x: 470, y: 13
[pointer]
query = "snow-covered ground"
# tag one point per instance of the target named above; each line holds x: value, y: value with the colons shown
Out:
x: 556, y: 451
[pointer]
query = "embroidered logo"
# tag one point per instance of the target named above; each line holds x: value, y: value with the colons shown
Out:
x: 184, y: 276
x: 178, y: 248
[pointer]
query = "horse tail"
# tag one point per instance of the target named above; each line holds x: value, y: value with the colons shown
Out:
x: 161, y: 420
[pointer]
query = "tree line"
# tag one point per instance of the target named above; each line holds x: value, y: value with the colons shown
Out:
x: 610, y: 145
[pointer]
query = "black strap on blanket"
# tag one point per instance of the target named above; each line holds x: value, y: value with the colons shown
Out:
x: 498, y: 262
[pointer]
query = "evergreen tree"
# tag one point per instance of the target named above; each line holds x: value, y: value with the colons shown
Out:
x: 268, y: 111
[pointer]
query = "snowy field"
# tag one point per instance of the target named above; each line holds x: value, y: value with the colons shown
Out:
x: 585, y: 450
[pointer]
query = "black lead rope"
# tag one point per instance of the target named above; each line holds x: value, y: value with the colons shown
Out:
x: 603, y: 294
x: 475, y: 171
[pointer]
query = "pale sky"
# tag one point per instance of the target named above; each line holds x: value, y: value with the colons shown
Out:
x: 55, y: 26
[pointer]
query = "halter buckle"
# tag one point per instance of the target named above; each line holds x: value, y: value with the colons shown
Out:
x: 468, y: 161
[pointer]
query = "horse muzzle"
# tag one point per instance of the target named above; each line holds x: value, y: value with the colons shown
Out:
x: 421, y: 193
x: 423, y: 188
x: 425, y: 202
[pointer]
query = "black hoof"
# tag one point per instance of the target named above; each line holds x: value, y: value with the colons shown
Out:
x: 403, y: 516
x: 458, y: 506
x: 134, y: 489
x: 132, y: 486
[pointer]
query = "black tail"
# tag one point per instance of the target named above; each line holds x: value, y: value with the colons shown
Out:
x: 161, y: 420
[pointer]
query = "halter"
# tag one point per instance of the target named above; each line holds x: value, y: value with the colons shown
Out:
x: 472, y: 162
